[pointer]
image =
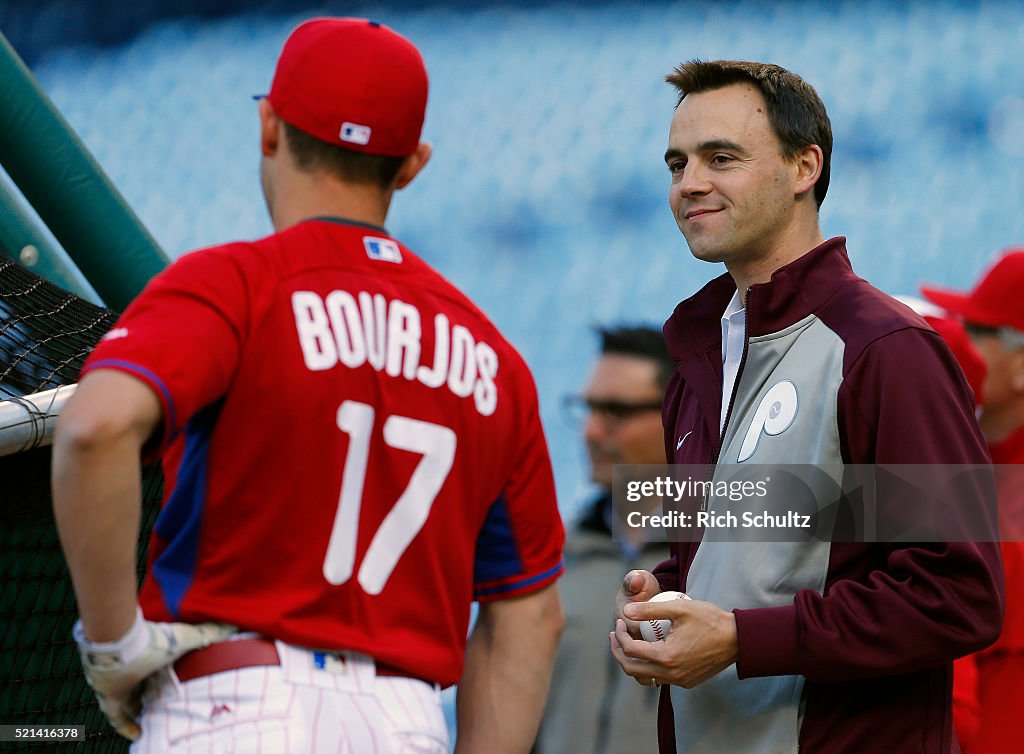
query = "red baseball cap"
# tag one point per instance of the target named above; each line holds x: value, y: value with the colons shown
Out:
x: 353, y: 83
x: 996, y: 301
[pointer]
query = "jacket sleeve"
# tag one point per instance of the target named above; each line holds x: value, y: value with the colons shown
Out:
x: 893, y: 608
x: 667, y: 571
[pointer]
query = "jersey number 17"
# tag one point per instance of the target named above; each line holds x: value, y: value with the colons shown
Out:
x: 436, y: 445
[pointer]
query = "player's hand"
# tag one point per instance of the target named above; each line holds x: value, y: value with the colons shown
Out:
x: 701, y: 643
x: 118, y: 683
x: 637, y: 586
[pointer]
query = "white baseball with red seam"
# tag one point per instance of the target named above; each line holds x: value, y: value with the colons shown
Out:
x: 657, y: 630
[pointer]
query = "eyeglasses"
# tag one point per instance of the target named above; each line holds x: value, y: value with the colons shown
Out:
x: 577, y: 408
x: 1010, y: 338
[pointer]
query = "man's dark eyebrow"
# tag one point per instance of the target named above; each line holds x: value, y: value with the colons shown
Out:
x: 729, y: 146
x: 707, y: 146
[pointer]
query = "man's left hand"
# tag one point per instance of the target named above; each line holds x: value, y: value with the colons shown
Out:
x: 701, y: 643
x: 117, y: 682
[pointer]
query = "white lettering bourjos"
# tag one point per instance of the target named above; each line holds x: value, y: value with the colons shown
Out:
x: 386, y: 334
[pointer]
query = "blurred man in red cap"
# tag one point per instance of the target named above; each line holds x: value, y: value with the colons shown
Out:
x: 986, y: 333
x: 352, y: 452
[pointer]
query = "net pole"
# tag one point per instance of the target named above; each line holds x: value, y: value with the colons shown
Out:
x: 22, y: 239
x: 28, y: 421
x: 69, y: 190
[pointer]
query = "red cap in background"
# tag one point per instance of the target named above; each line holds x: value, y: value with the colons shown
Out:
x: 353, y: 83
x: 996, y: 301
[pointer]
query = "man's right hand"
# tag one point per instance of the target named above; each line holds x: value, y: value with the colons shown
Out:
x: 637, y: 586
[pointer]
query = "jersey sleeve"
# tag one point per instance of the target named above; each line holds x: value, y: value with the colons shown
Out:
x: 966, y: 704
x: 903, y: 401
x: 182, y: 336
x: 519, y: 548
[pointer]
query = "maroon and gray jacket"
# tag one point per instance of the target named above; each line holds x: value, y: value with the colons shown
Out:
x: 843, y: 646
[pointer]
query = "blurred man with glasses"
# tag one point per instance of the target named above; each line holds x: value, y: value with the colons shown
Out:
x: 593, y: 707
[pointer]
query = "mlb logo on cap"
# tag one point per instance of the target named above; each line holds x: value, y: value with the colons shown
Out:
x: 382, y: 249
x: 355, y: 133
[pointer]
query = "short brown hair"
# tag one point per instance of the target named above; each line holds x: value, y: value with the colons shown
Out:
x: 312, y: 155
x: 795, y: 111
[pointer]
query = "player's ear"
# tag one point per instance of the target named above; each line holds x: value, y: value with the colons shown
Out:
x: 270, y: 129
x: 413, y: 164
x: 1017, y: 367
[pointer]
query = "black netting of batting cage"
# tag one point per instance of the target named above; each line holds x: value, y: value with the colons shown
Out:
x: 45, y: 335
x: 45, y: 331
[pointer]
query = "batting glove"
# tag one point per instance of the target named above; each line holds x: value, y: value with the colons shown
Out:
x: 116, y: 670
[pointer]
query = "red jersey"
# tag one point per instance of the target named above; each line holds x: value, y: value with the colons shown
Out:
x: 352, y: 451
x: 988, y: 699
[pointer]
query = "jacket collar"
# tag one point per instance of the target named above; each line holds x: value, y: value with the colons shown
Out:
x: 794, y: 291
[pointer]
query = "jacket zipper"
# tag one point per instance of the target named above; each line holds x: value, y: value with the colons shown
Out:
x: 732, y: 399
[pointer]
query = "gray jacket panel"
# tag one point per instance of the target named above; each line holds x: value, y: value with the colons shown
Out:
x: 784, y: 412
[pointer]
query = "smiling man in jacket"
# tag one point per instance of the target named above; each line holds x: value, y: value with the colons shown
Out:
x: 817, y: 645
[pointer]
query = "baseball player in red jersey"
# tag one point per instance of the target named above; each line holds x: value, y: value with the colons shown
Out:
x: 985, y: 330
x: 352, y: 451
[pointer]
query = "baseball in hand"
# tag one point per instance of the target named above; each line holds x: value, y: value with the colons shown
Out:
x: 657, y: 630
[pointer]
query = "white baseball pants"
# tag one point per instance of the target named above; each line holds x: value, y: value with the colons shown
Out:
x: 343, y: 707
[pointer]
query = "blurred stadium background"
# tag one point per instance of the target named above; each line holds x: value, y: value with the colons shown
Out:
x: 546, y: 196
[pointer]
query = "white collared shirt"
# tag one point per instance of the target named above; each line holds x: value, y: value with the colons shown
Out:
x: 734, y: 330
